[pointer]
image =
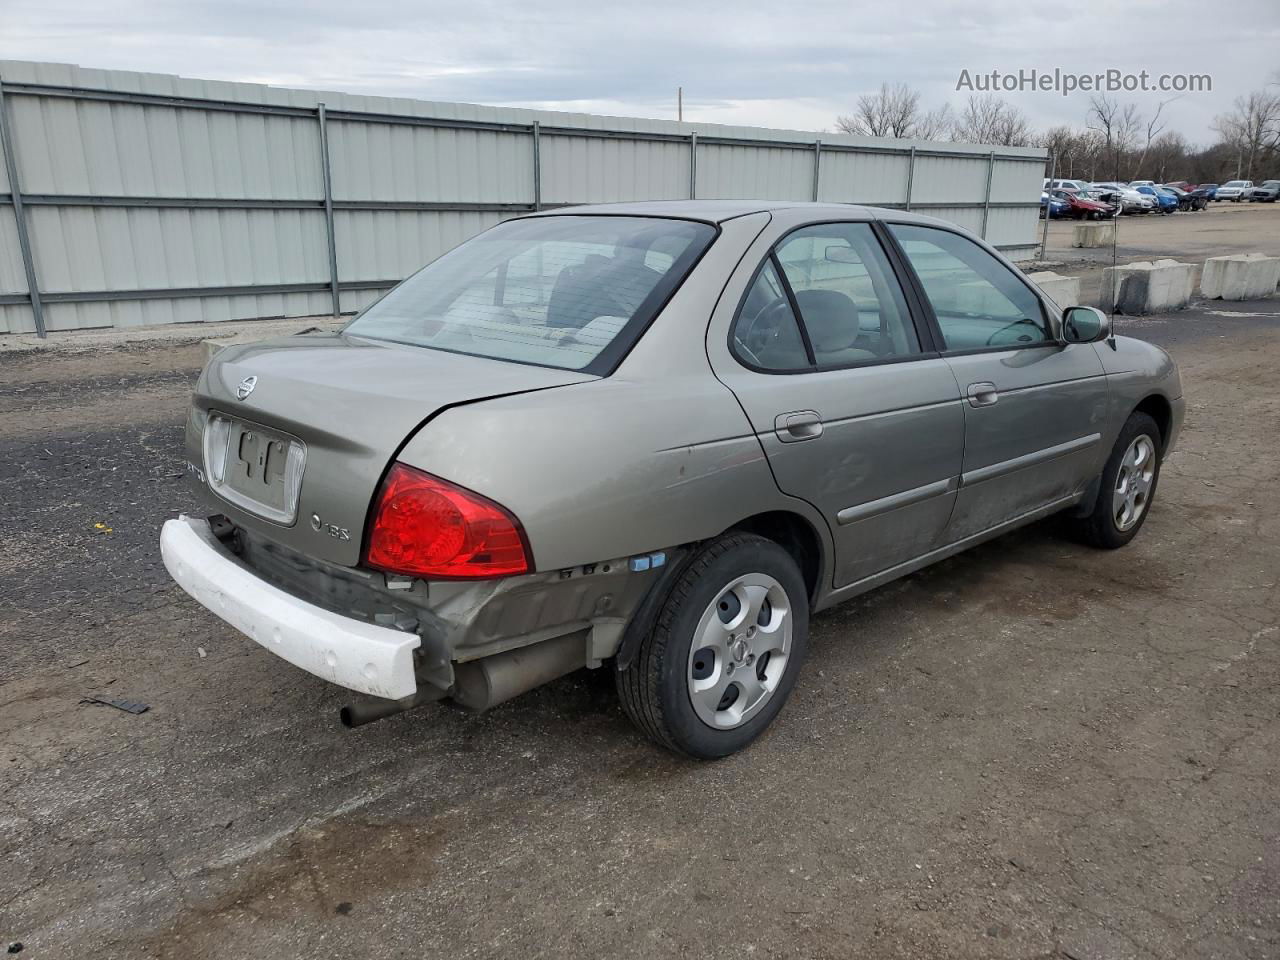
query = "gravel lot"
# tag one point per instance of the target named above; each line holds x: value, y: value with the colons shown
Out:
x: 1031, y: 750
x: 1220, y: 229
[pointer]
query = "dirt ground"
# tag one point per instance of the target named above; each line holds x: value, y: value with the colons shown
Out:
x: 1220, y: 229
x: 1030, y: 750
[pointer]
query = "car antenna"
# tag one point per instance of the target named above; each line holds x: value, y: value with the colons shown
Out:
x: 1113, y: 290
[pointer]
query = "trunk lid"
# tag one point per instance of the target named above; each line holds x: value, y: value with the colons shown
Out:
x: 341, y: 405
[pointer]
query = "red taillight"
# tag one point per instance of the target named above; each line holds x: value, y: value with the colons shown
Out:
x: 427, y: 527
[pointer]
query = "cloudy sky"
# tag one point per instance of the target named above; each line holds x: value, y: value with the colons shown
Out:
x: 797, y: 64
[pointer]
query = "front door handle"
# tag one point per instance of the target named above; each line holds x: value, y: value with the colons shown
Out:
x: 798, y: 425
x: 983, y: 394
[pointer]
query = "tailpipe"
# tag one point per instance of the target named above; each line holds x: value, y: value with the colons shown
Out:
x: 367, y: 711
x: 485, y: 683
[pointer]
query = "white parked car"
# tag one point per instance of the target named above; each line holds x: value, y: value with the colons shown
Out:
x: 1080, y: 186
x: 1234, y: 190
x: 1131, y: 201
x: 1142, y: 183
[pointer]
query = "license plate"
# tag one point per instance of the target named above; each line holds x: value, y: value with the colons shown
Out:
x: 255, y: 467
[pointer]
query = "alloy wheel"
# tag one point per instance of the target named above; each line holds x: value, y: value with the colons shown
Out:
x: 1134, y: 480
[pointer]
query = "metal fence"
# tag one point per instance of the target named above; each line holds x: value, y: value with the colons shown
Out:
x: 129, y: 199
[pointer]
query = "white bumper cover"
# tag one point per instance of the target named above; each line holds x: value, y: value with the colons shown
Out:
x: 351, y: 653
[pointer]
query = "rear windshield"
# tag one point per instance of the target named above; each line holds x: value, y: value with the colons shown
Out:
x: 568, y: 292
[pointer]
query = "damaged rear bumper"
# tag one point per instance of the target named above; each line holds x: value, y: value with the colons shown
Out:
x: 360, y: 656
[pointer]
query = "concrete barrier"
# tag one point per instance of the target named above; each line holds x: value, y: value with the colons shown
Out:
x: 1064, y: 291
x: 1241, y: 276
x: 1148, y: 286
x: 976, y: 296
x: 1097, y: 234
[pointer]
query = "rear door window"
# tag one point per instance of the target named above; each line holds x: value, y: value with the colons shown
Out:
x: 851, y: 309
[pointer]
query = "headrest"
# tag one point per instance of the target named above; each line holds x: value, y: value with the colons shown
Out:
x: 830, y: 317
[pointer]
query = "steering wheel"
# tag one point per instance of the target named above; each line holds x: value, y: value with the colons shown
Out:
x: 991, y: 340
x: 756, y: 333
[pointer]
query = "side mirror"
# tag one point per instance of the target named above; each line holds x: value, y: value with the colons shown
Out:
x: 1085, y: 325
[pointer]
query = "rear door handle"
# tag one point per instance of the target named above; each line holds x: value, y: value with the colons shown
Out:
x: 983, y: 394
x: 798, y: 425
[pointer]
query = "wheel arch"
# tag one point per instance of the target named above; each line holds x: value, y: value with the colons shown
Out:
x: 1158, y: 408
x: 792, y: 531
x: 795, y: 534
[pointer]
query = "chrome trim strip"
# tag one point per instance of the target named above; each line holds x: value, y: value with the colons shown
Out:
x: 894, y: 411
x: 895, y: 501
x: 1005, y: 467
x: 1034, y: 387
x: 840, y: 594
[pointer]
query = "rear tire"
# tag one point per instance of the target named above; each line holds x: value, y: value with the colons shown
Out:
x: 1126, y: 489
x: 724, y: 651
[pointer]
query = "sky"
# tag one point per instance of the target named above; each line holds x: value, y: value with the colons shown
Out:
x: 792, y: 65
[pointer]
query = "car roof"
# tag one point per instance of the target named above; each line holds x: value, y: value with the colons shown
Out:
x: 711, y: 211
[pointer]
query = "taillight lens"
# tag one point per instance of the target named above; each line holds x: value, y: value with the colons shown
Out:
x: 425, y: 526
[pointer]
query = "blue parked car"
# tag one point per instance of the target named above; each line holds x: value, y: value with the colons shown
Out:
x: 1167, y: 199
x: 1207, y: 190
x: 1056, y: 207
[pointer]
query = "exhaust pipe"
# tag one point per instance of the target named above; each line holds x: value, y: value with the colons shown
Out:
x: 485, y: 683
x: 367, y: 711
x: 481, y: 684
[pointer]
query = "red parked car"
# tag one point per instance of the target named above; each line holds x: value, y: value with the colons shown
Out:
x: 1082, y: 208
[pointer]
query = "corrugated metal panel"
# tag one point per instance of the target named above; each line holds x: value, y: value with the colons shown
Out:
x: 137, y: 313
x: 863, y: 177
x: 1007, y: 227
x: 378, y: 245
x: 113, y: 248
x: 113, y: 149
x: 86, y: 146
x: 757, y: 173
x: 378, y: 161
x: 970, y: 218
x: 12, y: 277
x: 581, y: 170
x: 1014, y: 181
x: 949, y: 180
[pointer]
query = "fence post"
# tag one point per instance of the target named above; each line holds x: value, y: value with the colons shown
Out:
x: 328, y: 208
x: 911, y: 175
x: 986, y: 200
x: 19, y: 215
x: 693, y: 166
x: 537, y: 165
x: 817, y: 167
x: 1044, y: 236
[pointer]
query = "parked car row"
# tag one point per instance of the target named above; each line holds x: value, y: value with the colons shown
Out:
x: 1081, y: 199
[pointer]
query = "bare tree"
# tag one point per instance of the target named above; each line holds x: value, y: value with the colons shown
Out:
x: 1118, y: 126
x: 1154, y: 127
x: 1166, y: 156
x: 1252, y: 128
x: 892, y: 112
x: 935, y: 124
x: 987, y: 118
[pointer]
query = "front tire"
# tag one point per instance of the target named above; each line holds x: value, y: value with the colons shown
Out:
x: 1127, y: 487
x: 724, y: 652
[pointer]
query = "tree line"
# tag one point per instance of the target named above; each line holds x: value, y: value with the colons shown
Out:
x: 1117, y: 142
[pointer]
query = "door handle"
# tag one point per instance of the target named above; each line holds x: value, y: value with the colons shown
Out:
x: 983, y: 394
x: 798, y: 425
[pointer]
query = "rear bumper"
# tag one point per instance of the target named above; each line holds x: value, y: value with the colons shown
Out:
x: 351, y: 653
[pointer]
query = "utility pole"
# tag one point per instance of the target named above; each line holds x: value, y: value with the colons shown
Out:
x: 680, y: 103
